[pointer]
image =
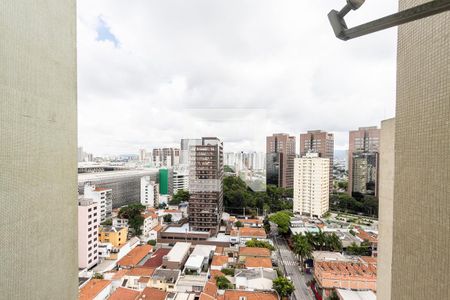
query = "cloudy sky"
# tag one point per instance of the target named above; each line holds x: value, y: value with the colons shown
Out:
x: 151, y: 72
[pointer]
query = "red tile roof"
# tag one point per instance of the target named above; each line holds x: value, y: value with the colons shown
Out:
x: 124, y: 294
x: 156, y: 259
x: 93, y: 288
x: 135, y: 256
x: 219, y: 260
x: 258, y: 262
x: 252, y: 232
x: 236, y: 294
x: 152, y: 294
x: 254, y: 251
x: 141, y: 272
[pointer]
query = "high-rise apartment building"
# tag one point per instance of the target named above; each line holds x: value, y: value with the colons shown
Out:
x: 180, y: 179
x: 206, y: 185
x: 38, y: 133
x: 280, y: 152
x: 364, y: 145
x: 421, y: 207
x: 142, y: 154
x: 321, y: 142
x: 88, y: 223
x: 311, y: 185
x: 149, y: 192
x: 185, y: 145
x: 102, y: 196
x: 166, y: 157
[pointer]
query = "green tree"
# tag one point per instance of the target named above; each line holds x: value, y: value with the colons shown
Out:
x: 97, y: 276
x: 133, y: 213
x: 239, y: 224
x: 259, y: 244
x: 180, y: 196
x: 302, y: 248
x: 167, y: 218
x: 266, y: 224
x: 228, y: 271
x: 333, y: 296
x: 151, y: 242
x: 223, y: 283
x: 283, y: 286
x: 283, y: 221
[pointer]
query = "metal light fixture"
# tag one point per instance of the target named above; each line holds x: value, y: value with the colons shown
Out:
x: 417, y: 12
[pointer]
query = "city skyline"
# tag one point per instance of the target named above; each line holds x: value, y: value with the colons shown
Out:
x: 264, y: 74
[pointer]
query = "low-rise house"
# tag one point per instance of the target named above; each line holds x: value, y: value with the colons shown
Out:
x: 244, y: 234
x: 369, y: 237
x: 219, y: 262
x: 192, y: 283
x: 258, y: 262
x: 152, y: 294
x: 95, y: 289
x: 255, y: 279
x: 177, y: 256
x: 137, y: 278
x: 153, y: 234
x: 358, y: 295
x: 245, y: 252
x: 117, y: 236
x: 104, y: 250
x: 156, y: 260
x: 346, y: 275
x: 164, y: 279
x: 194, y: 264
x: 209, y: 291
x: 135, y: 257
x: 116, y: 277
x: 249, y: 295
x: 250, y: 222
x: 124, y: 294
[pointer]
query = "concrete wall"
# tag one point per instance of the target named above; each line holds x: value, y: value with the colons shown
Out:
x: 385, y: 212
x: 38, y: 150
x: 421, y: 231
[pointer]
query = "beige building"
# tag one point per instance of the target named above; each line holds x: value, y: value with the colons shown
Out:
x: 386, y: 201
x: 421, y: 206
x: 38, y: 146
x: 311, y: 185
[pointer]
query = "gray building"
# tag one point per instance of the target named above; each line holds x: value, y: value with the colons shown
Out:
x: 125, y: 185
x: 38, y: 150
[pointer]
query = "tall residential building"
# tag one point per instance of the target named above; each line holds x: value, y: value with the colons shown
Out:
x: 166, y: 157
x: 280, y: 152
x: 180, y: 179
x: 102, y: 196
x: 142, y: 154
x: 149, y: 192
x: 185, y: 145
x: 320, y: 142
x: 364, y: 145
x: 38, y: 133
x: 206, y: 185
x: 88, y: 223
x: 421, y: 207
x: 386, y: 208
x: 311, y: 185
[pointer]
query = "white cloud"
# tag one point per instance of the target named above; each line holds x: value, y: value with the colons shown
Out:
x: 235, y: 69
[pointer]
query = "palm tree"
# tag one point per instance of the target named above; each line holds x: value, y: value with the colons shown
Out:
x: 302, y: 248
x: 332, y: 242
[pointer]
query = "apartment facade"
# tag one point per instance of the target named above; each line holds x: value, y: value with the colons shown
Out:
x: 117, y: 236
x: 149, y: 192
x: 280, y: 155
x: 311, y: 185
x: 103, y: 197
x: 166, y: 157
x: 421, y: 206
x: 321, y: 142
x: 180, y: 180
x: 38, y: 121
x: 206, y: 185
x: 88, y: 223
x: 364, y: 145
